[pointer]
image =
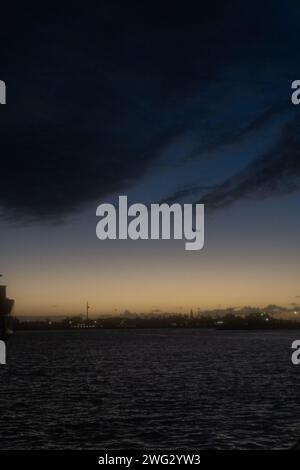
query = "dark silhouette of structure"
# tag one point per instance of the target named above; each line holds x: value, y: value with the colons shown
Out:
x: 6, y: 306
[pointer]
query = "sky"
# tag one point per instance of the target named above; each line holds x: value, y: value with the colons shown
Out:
x: 175, y: 102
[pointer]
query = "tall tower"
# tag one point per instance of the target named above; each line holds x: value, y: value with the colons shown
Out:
x: 87, y: 311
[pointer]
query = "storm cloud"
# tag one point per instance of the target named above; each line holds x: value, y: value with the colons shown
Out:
x: 276, y: 172
x: 95, y: 96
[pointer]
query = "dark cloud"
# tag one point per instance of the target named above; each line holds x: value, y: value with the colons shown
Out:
x: 95, y: 94
x: 276, y: 172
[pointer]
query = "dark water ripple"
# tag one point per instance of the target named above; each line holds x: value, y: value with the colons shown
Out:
x: 139, y: 389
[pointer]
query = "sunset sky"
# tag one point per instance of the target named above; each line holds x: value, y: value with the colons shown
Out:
x: 185, y: 104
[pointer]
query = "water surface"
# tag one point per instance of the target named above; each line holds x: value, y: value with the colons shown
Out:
x: 168, y: 389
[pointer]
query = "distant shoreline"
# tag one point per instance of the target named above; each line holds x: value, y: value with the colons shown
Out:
x: 253, y: 321
x: 166, y: 327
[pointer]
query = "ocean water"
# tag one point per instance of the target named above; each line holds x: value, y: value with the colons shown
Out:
x: 142, y: 389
